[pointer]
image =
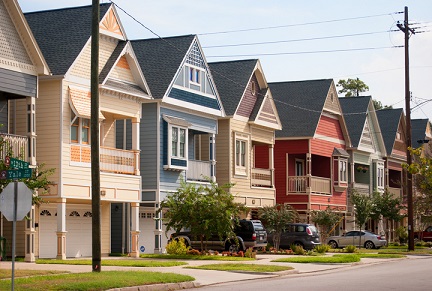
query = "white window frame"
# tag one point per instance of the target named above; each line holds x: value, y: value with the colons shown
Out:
x: 79, y: 129
x: 195, y: 77
x: 380, y: 175
x: 343, y: 170
x: 177, y: 154
x: 241, y: 168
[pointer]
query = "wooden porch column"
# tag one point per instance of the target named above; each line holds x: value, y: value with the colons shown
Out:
x: 134, y: 252
x: 158, y: 233
x: 31, y: 129
x: 29, y: 233
x: 61, y: 230
x: 212, y: 157
x: 271, y: 163
x: 136, y: 143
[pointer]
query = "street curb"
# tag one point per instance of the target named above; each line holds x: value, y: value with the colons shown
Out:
x: 159, y: 287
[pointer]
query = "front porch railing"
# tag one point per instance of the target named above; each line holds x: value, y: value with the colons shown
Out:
x: 362, y: 188
x: 198, y: 170
x: 306, y: 184
x: 262, y: 177
x: 111, y: 159
x: 13, y: 145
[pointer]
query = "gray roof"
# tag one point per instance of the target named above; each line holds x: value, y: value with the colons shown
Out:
x: 125, y: 87
x: 232, y: 78
x: 354, y: 110
x: 299, y: 104
x: 260, y: 99
x: 418, y: 131
x: 389, y: 121
x: 111, y: 61
x: 160, y: 58
x: 62, y: 33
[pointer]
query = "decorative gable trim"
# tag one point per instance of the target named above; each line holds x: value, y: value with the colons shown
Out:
x: 110, y: 25
x: 80, y: 102
x: 366, y: 139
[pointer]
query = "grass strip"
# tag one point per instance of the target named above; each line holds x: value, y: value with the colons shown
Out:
x: 93, y: 281
x: 7, y: 274
x: 336, y: 259
x: 256, y: 268
x: 381, y: 256
x: 116, y: 262
x: 190, y: 257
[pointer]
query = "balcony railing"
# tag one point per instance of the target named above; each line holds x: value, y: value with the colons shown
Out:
x: 13, y: 145
x: 306, y: 184
x: 395, y: 192
x: 262, y: 177
x: 198, y: 170
x: 111, y: 160
x: 362, y: 188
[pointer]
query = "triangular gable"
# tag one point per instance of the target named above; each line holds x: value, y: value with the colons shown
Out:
x: 19, y: 50
x: 366, y: 140
x: 111, y: 26
x: 399, y: 145
x: 193, y: 86
x: 267, y: 115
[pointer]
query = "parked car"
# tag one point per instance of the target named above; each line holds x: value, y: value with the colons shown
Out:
x: 302, y: 234
x: 368, y: 239
x: 249, y: 233
x: 425, y: 235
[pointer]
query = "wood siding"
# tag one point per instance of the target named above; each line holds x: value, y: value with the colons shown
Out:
x: 223, y: 152
x: 17, y: 83
x: 248, y: 101
x: 330, y: 127
x: 148, y: 143
x: 122, y: 71
x: 332, y: 101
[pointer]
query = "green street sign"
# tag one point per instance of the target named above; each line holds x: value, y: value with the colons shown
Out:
x: 18, y: 164
x: 16, y: 174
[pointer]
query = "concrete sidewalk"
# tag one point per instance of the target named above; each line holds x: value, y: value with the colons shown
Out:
x: 202, y: 277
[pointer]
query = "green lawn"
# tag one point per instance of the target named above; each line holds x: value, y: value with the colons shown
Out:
x: 93, y: 281
x: 7, y: 274
x: 119, y: 262
x: 335, y: 259
x: 190, y: 257
x: 381, y: 256
x: 242, y: 267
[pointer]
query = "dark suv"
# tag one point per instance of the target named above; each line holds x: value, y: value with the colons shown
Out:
x: 302, y: 234
x: 250, y: 234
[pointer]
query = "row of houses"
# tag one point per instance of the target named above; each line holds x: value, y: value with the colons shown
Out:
x: 166, y: 115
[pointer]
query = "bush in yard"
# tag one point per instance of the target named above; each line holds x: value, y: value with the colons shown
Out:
x: 177, y: 247
x: 298, y: 250
x: 350, y: 249
x: 322, y: 248
x: 193, y: 252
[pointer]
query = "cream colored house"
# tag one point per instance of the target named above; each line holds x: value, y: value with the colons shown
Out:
x: 64, y: 130
x: 246, y: 136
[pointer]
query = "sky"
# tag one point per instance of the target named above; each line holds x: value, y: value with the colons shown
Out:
x: 299, y: 40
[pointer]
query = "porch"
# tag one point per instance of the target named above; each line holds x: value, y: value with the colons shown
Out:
x: 14, y: 145
x: 199, y: 171
x: 309, y: 184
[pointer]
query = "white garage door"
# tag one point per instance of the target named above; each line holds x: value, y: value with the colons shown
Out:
x: 78, y: 235
x: 146, y: 236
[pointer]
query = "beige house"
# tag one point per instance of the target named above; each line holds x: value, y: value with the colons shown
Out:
x: 246, y: 136
x: 64, y: 130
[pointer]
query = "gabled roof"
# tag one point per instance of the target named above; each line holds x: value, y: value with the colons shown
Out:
x: 355, y: 112
x: 231, y: 80
x: 418, y: 131
x: 389, y: 123
x: 160, y: 58
x: 112, y: 61
x: 300, y: 104
x: 62, y: 33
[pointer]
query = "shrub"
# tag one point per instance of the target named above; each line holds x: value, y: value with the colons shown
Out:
x: 419, y: 243
x: 177, y: 247
x: 193, y: 252
x: 350, y: 249
x: 322, y: 248
x: 249, y: 253
x: 298, y: 250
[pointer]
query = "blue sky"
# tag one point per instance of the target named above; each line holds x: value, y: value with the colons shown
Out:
x: 368, y: 53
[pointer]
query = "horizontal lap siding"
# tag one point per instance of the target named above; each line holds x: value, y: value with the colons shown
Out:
x: 223, y: 152
x: 330, y: 127
x: 148, y: 143
x: 323, y: 147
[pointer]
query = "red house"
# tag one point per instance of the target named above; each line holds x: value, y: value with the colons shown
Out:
x: 311, y: 161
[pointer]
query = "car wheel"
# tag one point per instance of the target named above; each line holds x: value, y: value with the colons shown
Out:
x: 369, y: 245
x: 333, y: 244
x: 232, y: 247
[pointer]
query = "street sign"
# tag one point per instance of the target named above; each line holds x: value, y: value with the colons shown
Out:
x: 18, y: 164
x: 16, y: 174
x: 23, y: 201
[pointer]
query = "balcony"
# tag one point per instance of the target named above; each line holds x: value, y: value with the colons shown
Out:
x: 111, y: 160
x: 395, y: 192
x: 198, y: 170
x: 309, y: 184
x: 262, y: 178
x: 362, y: 188
x: 13, y: 145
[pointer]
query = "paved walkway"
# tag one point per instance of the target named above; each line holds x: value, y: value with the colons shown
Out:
x: 203, y: 277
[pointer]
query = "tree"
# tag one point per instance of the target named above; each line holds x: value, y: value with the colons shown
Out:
x: 386, y: 206
x: 363, y: 208
x: 378, y: 105
x: 326, y: 220
x: 204, y: 209
x: 352, y: 87
x: 276, y: 218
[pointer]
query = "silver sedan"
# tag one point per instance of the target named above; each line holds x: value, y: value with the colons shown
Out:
x: 357, y: 238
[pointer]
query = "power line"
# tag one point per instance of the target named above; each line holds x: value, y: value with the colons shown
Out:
x: 297, y: 24
x: 297, y: 40
x: 304, y: 52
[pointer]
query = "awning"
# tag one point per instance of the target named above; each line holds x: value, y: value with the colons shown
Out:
x: 176, y: 121
x: 340, y: 152
x: 80, y: 103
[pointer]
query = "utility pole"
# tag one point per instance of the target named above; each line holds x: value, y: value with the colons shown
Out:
x: 94, y: 134
x: 407, y: 31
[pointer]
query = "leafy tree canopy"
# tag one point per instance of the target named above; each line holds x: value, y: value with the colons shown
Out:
x: 326, y: 220
x: 352, y: 87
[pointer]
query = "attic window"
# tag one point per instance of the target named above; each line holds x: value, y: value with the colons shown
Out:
x: 332, y: 97
x: 253, y: 88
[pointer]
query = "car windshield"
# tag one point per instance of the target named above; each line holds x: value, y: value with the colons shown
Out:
x: 313, y: 229
x: 257, y: 225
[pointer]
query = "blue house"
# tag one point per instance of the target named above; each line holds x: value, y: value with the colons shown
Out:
x: 177, y: 130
